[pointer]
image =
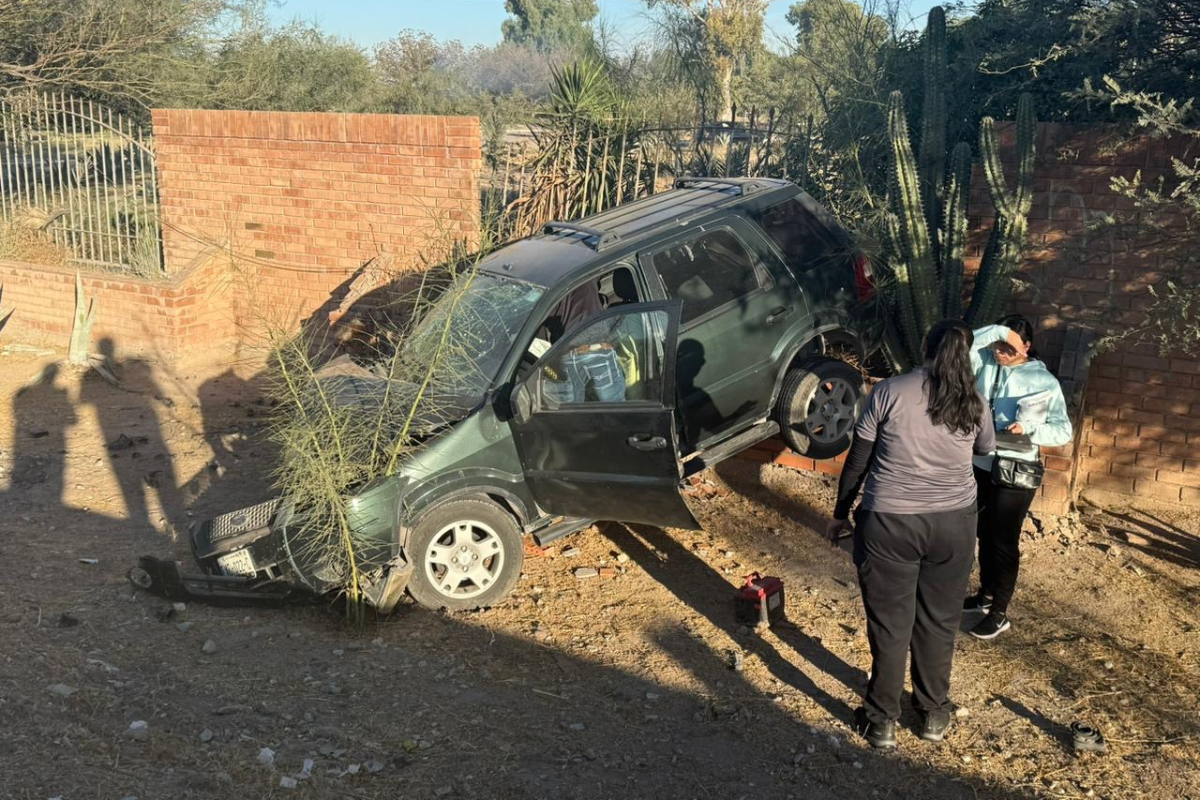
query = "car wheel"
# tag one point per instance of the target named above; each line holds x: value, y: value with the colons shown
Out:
x: 467, y: 554
x: 818, y: 407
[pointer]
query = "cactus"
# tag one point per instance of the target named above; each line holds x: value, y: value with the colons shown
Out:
x: 1002, y: 257
x: 954, y: 229
x: 933, y: 122
x: 927, y: 219
x: 81, y: 331
x: 915, y: 270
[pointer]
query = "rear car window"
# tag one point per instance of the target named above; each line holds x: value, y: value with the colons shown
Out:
x: 801, y: 239
x: 707, y: 272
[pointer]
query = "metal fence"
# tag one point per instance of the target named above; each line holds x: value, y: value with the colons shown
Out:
x: 78, y: 177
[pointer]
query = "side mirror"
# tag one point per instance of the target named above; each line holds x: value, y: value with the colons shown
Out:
x: 522, y: 403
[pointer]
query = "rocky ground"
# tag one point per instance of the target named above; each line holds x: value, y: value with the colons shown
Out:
x: 637, y: 683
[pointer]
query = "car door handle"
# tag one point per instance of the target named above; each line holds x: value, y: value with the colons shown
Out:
x: 778, y: 314
x: 639, y: 441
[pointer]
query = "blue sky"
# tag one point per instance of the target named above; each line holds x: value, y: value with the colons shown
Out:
x: 369, y: 22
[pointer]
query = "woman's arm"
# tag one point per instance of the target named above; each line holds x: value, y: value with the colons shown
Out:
x: 1055, y: 430
x: 854, y: 471
x: 984, y: 338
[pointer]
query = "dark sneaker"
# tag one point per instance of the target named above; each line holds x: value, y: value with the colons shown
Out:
x: 978, y: 602
x: 991, y: 626
x: 934, y: 725
x: 878, y: 735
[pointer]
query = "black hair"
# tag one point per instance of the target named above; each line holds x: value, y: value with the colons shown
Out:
x: 949, y: 379
x: 1023, y: 328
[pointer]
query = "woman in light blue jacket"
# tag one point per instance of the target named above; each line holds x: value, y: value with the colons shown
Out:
x: 1026, y: 399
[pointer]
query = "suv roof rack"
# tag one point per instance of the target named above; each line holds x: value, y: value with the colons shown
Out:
x: 603, y: 239
x: 747, y: 186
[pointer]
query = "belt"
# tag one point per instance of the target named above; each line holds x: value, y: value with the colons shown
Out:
x: 591, y: 348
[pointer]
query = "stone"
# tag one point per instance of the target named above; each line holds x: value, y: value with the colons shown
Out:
x: 1109, y: 665
x: 179, y: 608
x: 209, y: 647
x: 570, y: 551
x: 61, y: 689
x: 962, y: 712
x: 138, y: 731
x: 184, y: 627
x: 577, y: 726
x: 374, y: 766
x: 622, y: 558
x: 266, y: 757
x: 288, y: 782
x: 736, y: 661
x: 586, y: 572
x: 206, y: 736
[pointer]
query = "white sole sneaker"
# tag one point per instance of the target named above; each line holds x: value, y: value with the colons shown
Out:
x: 989, y: 636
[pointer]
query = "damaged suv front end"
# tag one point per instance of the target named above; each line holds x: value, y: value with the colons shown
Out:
x: 265, y: 553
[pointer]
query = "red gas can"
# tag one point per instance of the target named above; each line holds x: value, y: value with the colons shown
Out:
x: 760, y: 601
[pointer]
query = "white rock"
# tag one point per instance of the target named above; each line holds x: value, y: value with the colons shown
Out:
x: 61, y: 689
x: 352, y: 769
x: 962, y: 712
x: 184, y: 627
x: 374, y: 766
x: 266, y: 757
x: 206, y: 735
x: 138, y: 730
x: 288, y: 783
x: 179, y: 607
x: 209, y: 647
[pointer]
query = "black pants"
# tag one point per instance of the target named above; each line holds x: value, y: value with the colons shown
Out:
x: 1001, y: 514
x: 913, y: 571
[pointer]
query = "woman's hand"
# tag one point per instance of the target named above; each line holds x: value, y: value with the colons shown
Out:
x: 834, y: 529
x: 1016, y: 428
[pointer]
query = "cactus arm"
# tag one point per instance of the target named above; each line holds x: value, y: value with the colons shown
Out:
x: 913, y: 231
x: 956, y: 198
x: 933, y: 123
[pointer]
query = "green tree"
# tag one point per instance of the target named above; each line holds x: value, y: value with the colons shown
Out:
x: 422, y: 75
x: 730, y: 32
x: 550, y: 25
x: 295, y: 68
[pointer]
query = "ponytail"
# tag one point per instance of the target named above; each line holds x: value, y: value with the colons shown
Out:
x: 949, y: 378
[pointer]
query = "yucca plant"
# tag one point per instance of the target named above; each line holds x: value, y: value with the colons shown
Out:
x: 927, y: 214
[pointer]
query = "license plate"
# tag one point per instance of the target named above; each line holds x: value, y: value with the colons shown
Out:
x: 239, y: 562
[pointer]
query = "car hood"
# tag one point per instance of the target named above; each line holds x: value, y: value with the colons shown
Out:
x: 349, y: 385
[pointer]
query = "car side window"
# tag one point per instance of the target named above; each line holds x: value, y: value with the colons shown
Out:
x: 708, y: 272
x: 618, y: 359
x: 797, y: 234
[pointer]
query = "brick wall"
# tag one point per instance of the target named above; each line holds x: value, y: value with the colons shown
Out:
x: 266, y: 217
x: 303, y: 201
x: 1137, y: 414
x: 1138, y: 409
x: 133, y: 317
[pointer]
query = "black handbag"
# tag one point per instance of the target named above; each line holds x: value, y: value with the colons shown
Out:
x: 1014, y: 473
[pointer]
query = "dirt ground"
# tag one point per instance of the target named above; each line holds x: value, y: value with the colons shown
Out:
x: 602, y: 688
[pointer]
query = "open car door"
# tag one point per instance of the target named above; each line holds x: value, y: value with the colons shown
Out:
x: 594, y: 420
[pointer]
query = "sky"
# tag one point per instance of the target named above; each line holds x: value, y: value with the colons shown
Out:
x: 369, y: 22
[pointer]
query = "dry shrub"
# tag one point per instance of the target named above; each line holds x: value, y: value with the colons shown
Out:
x: 21, y: 243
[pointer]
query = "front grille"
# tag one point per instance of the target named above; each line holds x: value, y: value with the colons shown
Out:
x: 242, y: 520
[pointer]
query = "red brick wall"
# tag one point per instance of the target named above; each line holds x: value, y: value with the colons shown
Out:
x: 1139, y: 413
x: 305, y: 200
x: 265, y: 216
x: 139, y: 317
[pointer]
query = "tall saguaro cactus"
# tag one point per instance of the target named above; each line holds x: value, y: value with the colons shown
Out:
x: 927, y: 219
x: 1002, y: 257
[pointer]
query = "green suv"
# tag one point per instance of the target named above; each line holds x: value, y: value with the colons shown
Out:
x: 721, y: 306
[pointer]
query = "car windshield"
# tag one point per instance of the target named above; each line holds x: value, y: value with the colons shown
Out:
x: 484, y: 319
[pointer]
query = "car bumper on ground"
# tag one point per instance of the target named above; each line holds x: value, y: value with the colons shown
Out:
x: 247, y: 555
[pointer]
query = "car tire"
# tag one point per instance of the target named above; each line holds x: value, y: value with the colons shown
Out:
x: 818, y: 406
x: 484, y: 536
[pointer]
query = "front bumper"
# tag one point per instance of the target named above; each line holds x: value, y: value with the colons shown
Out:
x: 247, y: 555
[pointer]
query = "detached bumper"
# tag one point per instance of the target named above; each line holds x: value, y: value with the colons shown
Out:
x: 247, y: 556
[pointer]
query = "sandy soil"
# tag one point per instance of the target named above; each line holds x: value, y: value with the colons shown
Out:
x: 601, y: 688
